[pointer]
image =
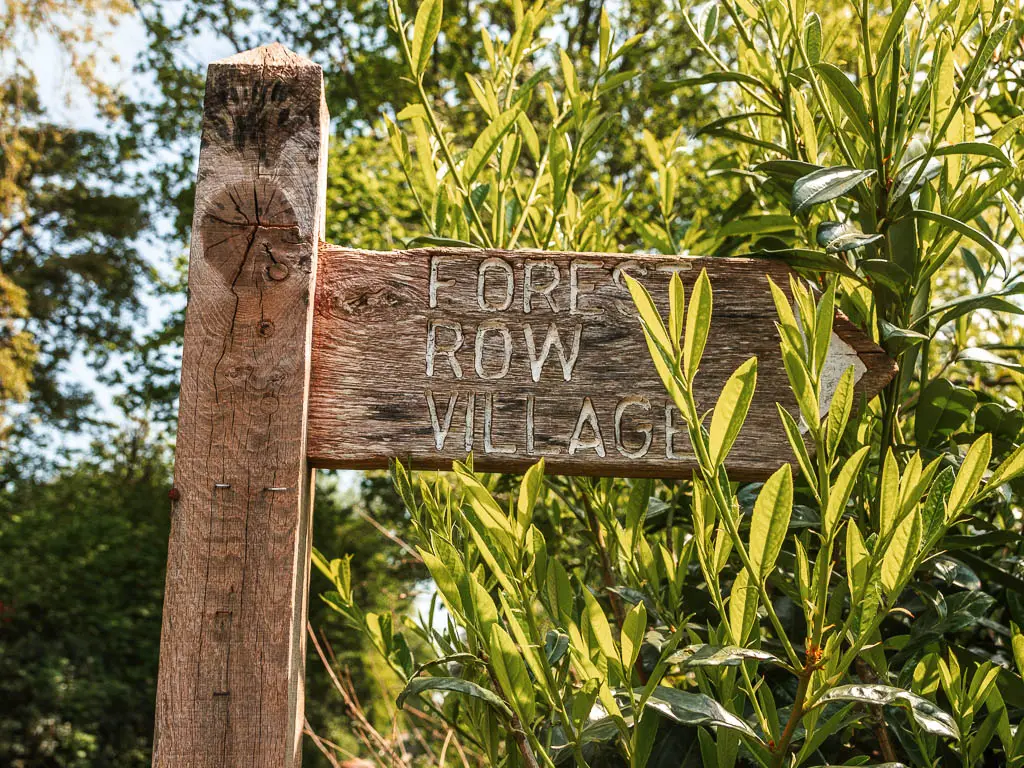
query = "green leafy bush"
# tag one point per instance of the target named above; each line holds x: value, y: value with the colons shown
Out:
x: 860, y: 607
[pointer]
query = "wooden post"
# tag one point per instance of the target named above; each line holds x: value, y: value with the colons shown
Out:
x: 231, y: 664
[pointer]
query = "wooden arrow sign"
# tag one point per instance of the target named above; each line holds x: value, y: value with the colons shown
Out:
x: 427, y: 355
x: 298, y: 354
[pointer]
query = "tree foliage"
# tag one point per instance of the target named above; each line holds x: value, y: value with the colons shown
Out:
x: 859, y: 606
x: 70, y: 213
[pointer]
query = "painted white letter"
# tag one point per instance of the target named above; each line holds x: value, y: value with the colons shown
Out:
x: 670, y: 433
x: 553, y: 339
x: 645, y: 427
x: 545, y: 291
x: 587, y: 416
x: 489, y: 446
x: 435, y: 283
x: 575, y: 289
x: 433, y: 349
x: 481, y: 285
x: 506, y: 340
x: 470, y: 419
x: 441, y: 431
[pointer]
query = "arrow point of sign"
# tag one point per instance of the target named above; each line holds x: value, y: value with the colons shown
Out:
x: 873, y: 369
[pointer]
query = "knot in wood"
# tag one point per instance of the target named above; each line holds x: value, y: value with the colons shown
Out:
x: 250, y: 232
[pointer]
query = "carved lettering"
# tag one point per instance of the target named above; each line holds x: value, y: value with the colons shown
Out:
x: 529, y: 423
x: 489, y: 445
x: 670, y: 432
x: 578, y: 290
x: 470, y: 420
x: 507, y: 291
x: 441, y: 430
x: 552, y: 339
x: 644, y: 427
x: 544, y: 291
x: 436, y: 347
x: 493, y: 327
x: 632, y: 268
x: 675, y: 266
x: 435, y: 283
x: 587, y: 418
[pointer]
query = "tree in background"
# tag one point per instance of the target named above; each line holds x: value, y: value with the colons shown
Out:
x: 70, y: 213
x: 711, y: 116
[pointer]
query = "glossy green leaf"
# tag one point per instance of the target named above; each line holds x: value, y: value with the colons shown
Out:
x: 968, y: 478
x: 857, y: 558
x: 705, y: 655
x: 1011, y: 468
x: 710, y: 26
x: 420, y: 685
x: 825, y: 184
x: 927, y: 715
x: 796, y: 442
x: 442, y: 577
x: 769, y: 522
x: 725, y: 120
x: 742, y: 606
x: 901, y: 554
x: 812, y: 37
x: 842, y: 489
x: 649, y: 315
x: 839, y: 409
x: 813, y: 261
x: 756, y: 225
x: 529, y: 490
x: 889, y: 494
x: 511, y: 674
x: 598, y: 622
x: 836, y: 237
x: 967, y: 231
x: 983, y: 57
x: 786, y: 172
x: 1014, y: 210
x: 424, y: 35
x: 942, y: 408
x: 698, y: 325
x: 556, y: 644
x: 893, y: 28
x: 713, y: 78
x: 942, y: 81
x: 731, y: 411
x: 695, y: 709
x: 802, y: 386
x: 988, y: 357
x: 676, y: 309
x: 790, y: 329
x: 975, y: 148
x: 848, y: 96
x: 487, y: 143
x: 634, y: 627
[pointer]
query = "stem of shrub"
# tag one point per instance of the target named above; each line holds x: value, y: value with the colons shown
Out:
x: 524, y: 746
x: 878, y: 723
x: 795, y: 716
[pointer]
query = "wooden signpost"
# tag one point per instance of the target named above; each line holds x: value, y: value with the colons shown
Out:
x: 300, y: 354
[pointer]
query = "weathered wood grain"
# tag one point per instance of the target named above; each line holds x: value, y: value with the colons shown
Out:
x: 383, y: 384
x: 231, y: 664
